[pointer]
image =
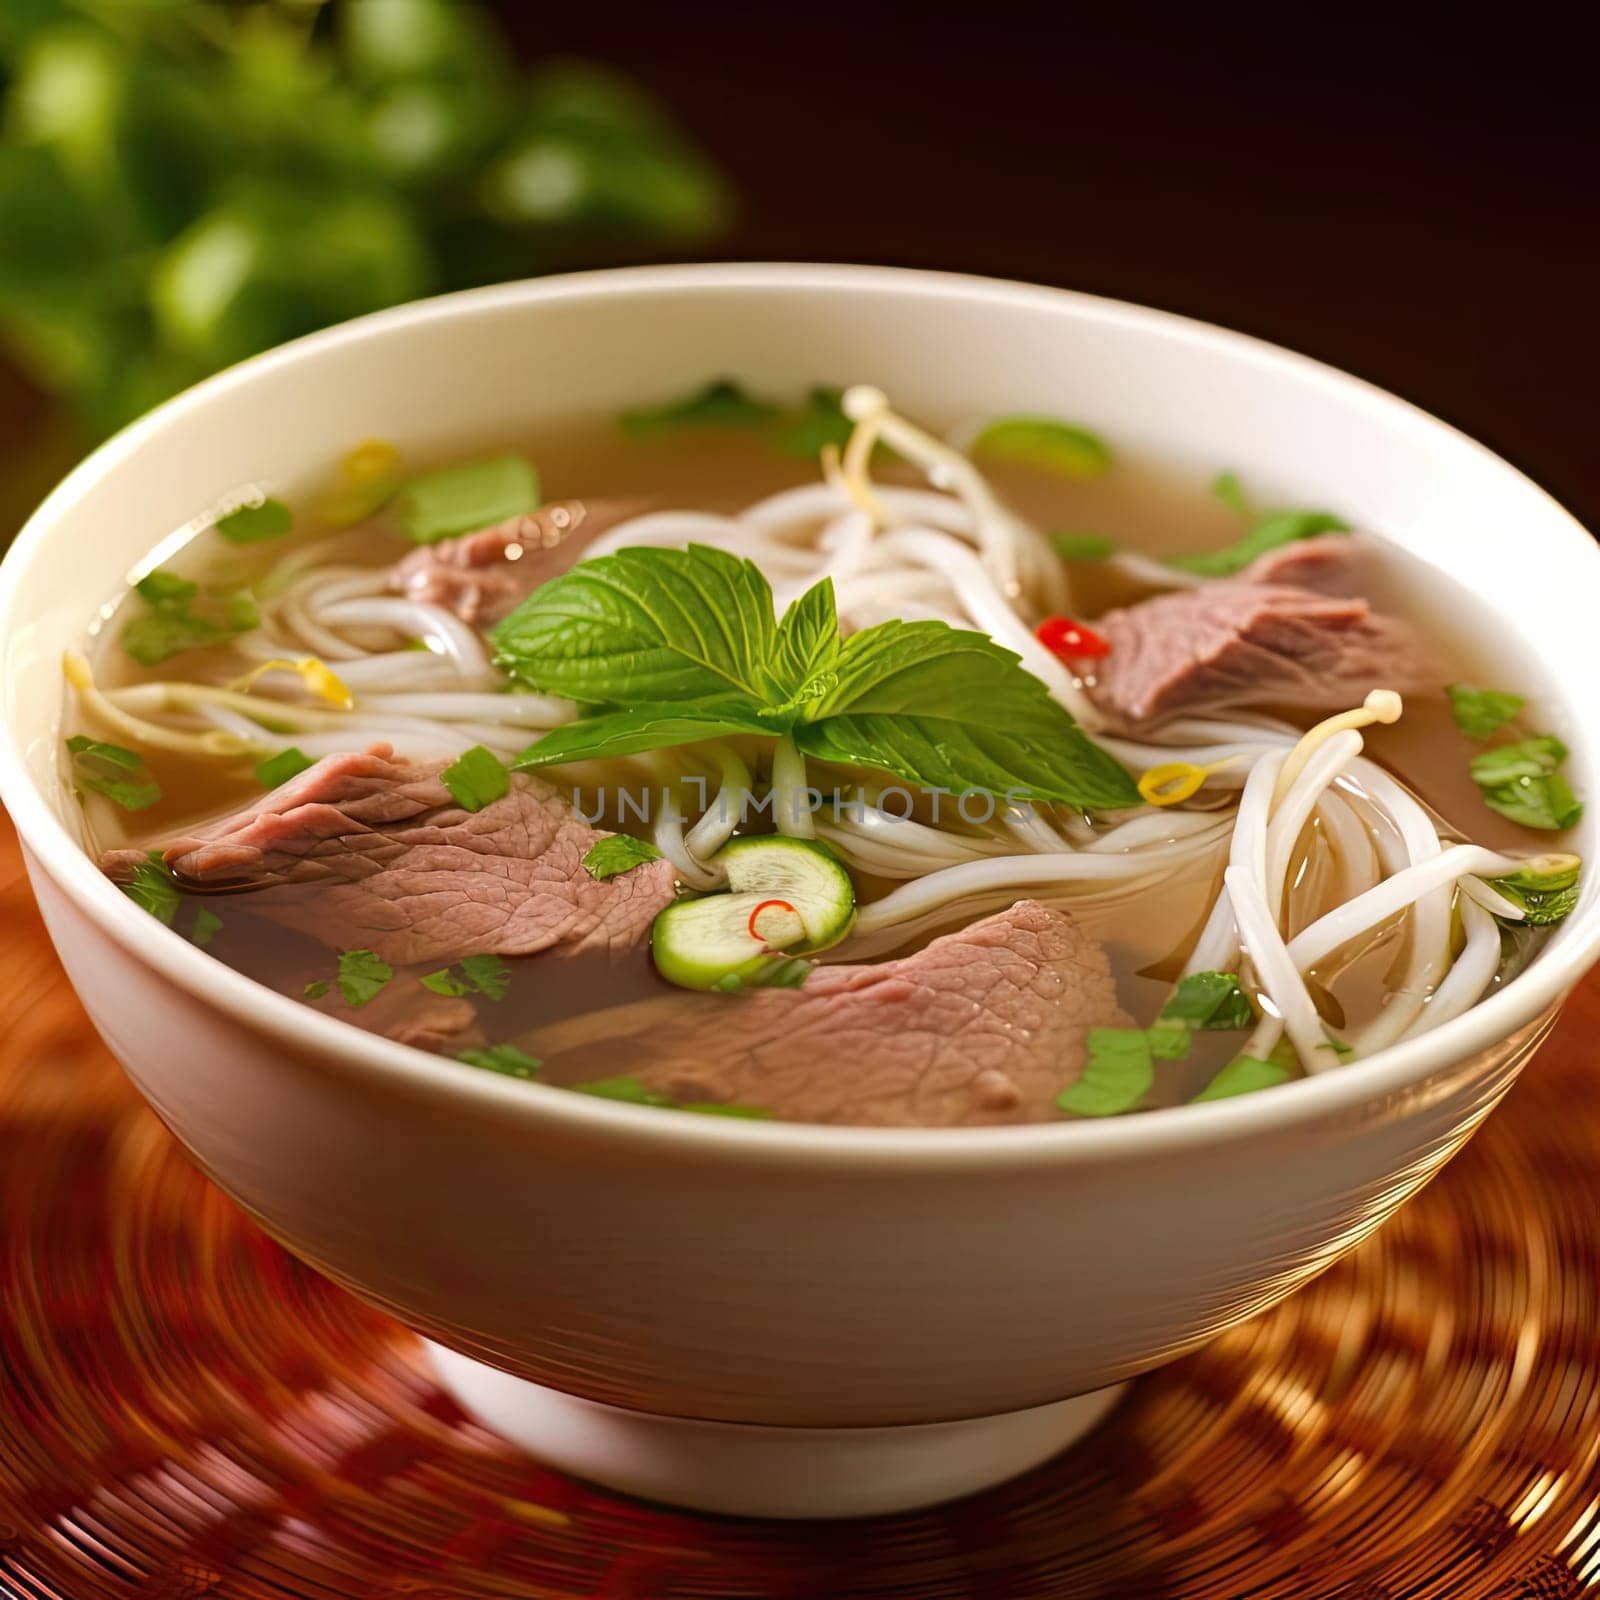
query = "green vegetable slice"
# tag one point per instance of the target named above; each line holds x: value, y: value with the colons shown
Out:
x: 617, y: 853
x: 271, y: 519
x: 438, y: 505
x: 1481, y: 713
x: 1118, y: 1075
x: 117, y: 773
x: 783, y: 894
x: 477, y: 779
x: 1044, y: 443
x: 205, y: 926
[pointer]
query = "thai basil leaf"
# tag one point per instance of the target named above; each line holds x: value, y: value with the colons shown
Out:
x: 646, y: 625
x: 645, y: 727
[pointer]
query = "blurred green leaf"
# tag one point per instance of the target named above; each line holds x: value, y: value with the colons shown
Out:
x: 273, y: 265
x: 182, y: 185
x: 391, y: 39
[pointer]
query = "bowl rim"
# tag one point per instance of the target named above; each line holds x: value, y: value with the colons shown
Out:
x: 345, y: 1047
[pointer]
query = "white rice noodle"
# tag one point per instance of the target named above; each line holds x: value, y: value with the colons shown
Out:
x: 1015, y: 873
x: 1427, y: 952
x: 992, y: 613
x: 1470, y: 974
x: 444, y: 631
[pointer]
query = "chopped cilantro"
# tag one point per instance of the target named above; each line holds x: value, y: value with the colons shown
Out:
x: 1274, y: 529
x: 1210, y: 1000
x: 287, y: 764
x: 1169, y: 1041
x: 477, y: 779
x: 722, y: 404
x: 617, y: 853
x: 506, y: 1059
x: 171, y: 625
x: 1046, y: 444
x: 205, y: 926
x: 362, y: 976
x: 154, y: 889
x: 1244, y: 1075
x: 256, y: 524
x: 629, y: 1089
x: 1522, y: 781
x: 1227, y: 488
x: 316, y: 989
x: 1480, y: 713
x: 462, y: 499
x: 109, y: 769
x: 1083, y: 546
x: 487, y: 974
x: 161, y: 588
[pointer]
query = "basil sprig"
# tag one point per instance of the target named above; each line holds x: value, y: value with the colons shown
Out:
x: 672, y: 646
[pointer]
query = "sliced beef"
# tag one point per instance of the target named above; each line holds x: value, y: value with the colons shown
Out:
x: 485, y: 576
x: 983, y: 1026
x: 1236, y: 643
x: 1338, y: 564
x: 379, y: 856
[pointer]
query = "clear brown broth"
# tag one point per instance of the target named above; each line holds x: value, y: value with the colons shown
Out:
x: 1138, y: 503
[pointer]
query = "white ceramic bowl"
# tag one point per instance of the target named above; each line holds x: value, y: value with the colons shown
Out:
x: 799, y: 1281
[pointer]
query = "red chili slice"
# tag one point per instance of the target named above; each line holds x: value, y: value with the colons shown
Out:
x: 765, y: 905
x: 1064, y: 637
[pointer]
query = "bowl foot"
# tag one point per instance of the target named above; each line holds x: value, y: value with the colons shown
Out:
x: 749, y: 1470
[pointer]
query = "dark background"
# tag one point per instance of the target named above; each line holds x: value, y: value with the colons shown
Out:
x: 1409, y: 194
